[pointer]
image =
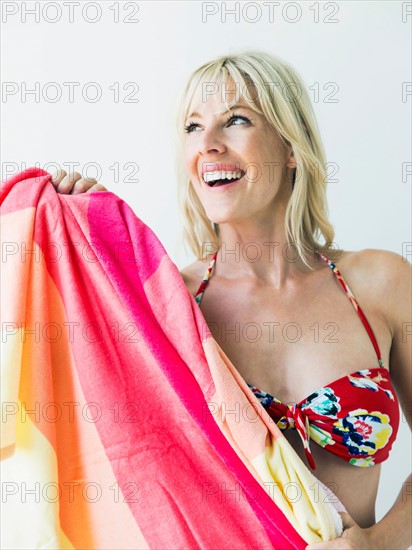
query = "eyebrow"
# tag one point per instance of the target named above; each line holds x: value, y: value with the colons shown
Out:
x: 236, y: 106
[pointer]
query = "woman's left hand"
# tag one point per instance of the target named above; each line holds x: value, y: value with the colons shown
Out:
x: 352, y: 538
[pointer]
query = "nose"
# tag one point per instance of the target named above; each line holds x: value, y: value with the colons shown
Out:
x: 211, y: 142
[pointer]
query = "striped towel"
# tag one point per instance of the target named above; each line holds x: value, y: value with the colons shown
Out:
x: 124, y: 424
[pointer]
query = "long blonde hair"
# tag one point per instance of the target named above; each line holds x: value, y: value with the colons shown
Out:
x: 276, y: 91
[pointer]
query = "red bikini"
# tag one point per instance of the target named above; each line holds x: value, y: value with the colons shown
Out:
x: 355, y: 417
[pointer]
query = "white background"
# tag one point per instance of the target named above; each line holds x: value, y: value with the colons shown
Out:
x: 366, y: 133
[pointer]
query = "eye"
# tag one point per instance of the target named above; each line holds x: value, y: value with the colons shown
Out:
x: 189, y: 127
x: 234, y: 116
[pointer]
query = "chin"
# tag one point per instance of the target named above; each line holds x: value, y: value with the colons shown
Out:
x: 219, y: 219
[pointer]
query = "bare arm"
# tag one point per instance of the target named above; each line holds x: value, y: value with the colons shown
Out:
x: 394, y: 530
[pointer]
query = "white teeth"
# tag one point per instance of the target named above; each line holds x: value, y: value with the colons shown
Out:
x: 220, y: 175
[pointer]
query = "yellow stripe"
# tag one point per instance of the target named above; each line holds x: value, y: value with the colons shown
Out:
x: 30, y: 519
x: 296, y: 491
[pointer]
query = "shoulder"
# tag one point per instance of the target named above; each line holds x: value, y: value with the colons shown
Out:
x: 393, y: 291
x: 383, y: 276
x: 383, y: 265
x: 192, y: 275
x: 382, y: 262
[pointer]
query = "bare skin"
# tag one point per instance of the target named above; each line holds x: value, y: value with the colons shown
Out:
x: 74, y: 183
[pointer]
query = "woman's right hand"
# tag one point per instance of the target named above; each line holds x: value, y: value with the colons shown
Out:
x: 74, y: 183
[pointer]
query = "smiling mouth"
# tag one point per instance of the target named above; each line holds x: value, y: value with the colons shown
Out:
x: 219, y: 178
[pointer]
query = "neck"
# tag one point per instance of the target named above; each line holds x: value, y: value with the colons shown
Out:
x: 260, y: 255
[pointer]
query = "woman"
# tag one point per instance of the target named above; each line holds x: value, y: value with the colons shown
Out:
x: 253, y: 195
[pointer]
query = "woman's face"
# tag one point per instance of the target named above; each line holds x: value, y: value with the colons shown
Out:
x: 228, y: 144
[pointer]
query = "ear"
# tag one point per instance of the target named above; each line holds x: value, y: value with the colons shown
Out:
x: 291, y: 161
x: 291, y: 168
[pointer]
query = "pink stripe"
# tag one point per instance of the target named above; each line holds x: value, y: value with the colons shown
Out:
x: 178, y: 373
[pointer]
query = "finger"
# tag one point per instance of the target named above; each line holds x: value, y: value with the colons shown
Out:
x: 67, y: 183
x: 347, y: 520
x: 57, y: 177
x: 83, y: 185
x: 338, y: 542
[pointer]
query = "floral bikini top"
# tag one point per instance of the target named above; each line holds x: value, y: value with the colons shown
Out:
x: 355, y: 417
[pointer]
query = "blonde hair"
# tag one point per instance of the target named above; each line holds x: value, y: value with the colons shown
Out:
x: 269, y: 80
